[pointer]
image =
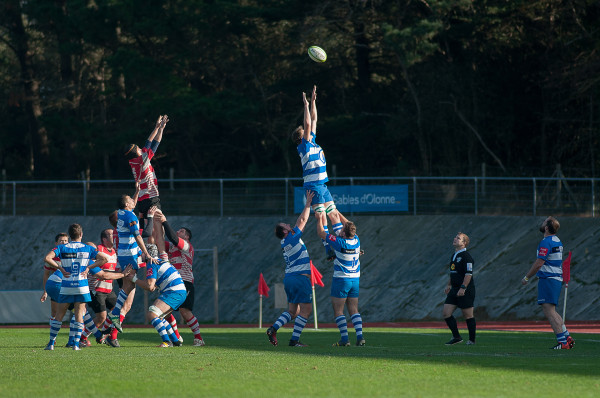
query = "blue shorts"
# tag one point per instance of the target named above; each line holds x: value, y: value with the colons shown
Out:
x: 548, y: 291
x: 344, y: 287
x: 53, y: 290
x: 173, y: 298
x: 74, y: 298
x: 322, y: 194
x: 124, y: 261
x: 298, y: 289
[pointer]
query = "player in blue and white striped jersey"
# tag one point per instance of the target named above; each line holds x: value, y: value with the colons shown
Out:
x: 129, y: 248
x: 297, y: 277
x: 314, y: 166
x: 75, y: 258
x: 163, y: 276
x: 346, y: 277
x: 548, y: 268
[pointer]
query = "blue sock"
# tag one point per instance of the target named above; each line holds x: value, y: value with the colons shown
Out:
x: 120, y: 300
x: 160, y: 328
x: 78, y: 332
x: 337, y: 227
x: 284, y: 318
x: 561, y: 338
x: 343, y: 326
x: 357, y: 322
x: 170, y: 331
x: 298, y: 327
x: 54, y: 329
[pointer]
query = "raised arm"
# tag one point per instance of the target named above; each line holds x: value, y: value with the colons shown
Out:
x: 161, y: 128
x: 303, y: 218
x: 313, y: 110
x: 156, y: 128
x: 307, y: 119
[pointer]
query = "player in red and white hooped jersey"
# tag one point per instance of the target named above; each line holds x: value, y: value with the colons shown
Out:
x: 143, y: 172
x: 181, y: 255
x: 53, y: 278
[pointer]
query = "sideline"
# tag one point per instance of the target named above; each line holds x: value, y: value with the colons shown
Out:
x: 592, y: 327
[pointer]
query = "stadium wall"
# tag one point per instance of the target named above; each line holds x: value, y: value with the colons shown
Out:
x: 404, y: 268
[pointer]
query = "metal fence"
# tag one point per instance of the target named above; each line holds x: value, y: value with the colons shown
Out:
x: 274, y: 196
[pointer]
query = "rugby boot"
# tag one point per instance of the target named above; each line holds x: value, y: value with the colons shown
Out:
x: 455, y: 340
x: 272, y: 335
x: 561, y: 346
x: 296, y: 343
x: 341, y: 343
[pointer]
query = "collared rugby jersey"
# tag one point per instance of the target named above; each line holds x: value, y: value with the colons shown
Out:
x: 550, y: 250
x: 314, y: 170
x: 75, y: 257
x: 347, y: 253
x: 295, y: 254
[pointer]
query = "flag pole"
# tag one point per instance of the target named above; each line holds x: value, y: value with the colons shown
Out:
x: 314, y: 303
x: 260, y: 312
x: 565, y: 302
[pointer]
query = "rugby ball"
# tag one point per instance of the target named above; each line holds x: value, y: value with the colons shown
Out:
x: 317, y: 54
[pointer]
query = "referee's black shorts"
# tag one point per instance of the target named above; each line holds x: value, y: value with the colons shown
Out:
x: 463, y: 302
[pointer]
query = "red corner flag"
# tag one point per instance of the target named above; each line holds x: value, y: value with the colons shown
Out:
x: 315, y: 276
x: 263, y: 289
x: 566, y: 268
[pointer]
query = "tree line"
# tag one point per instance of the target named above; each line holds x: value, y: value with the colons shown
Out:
x: 411, y: 87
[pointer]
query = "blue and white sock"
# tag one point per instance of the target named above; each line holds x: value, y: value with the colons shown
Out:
x: 120, y: 300
x: 160, y: 328
x: 357, y: 322
x: 298, y: 327
x: 54, y: 329
x: 561, y: 338
x: 343, y: 326
x: 78, y: 330
x: 72, y: 330
x: 91, y: 326
x: 337, y: 227
x: 170, y: 331
x: 284, y: 318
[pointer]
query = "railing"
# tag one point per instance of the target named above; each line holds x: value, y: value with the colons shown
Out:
x: 274, y: 196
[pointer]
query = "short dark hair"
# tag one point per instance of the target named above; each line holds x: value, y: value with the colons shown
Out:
x: 122, y: 201
x: 113, y: 218
x: 297, y: 135
x: 349, y: 229
x: 75, y: 231
x: 104, y: 234
x: 130, y: 151
x: 279, y: 231
x: 60, y: 235
x: 553, y: 225
x: 188, y: 231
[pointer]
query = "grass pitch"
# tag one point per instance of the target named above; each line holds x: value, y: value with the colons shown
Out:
x: 242, y: 363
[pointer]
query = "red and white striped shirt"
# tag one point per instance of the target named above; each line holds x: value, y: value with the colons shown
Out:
x: 104, y: 286
x: 181, y: 257
x: 144, y: 173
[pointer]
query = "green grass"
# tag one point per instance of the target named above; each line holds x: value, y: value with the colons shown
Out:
x: 241, y: 363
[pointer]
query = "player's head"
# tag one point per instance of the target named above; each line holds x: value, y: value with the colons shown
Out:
x: 91, y: 244
x: 552, y: 224
x: 75, y: 231
x: 152, y: 250
x: 113, y: 218
x: 106, y: 238
x: 461, y: 240
x: 297, y: 135
x: 131, y: 151
x: 282, y: 230
x: 61, y: 239
x: 185, y: 233
x: 125, y: 202
x: 349, y: 230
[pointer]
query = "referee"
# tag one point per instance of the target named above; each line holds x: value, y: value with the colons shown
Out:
x: 460, y: 291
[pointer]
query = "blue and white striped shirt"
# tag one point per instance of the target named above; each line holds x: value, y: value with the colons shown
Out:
x: 295, y: 254
x: 128, y: 228
x: 167, y: 277
x: 75, y: 257
x: 314, y: 170
x: 550, y: 250
x: 347, y: 253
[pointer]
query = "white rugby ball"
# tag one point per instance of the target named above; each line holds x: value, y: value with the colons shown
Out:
x: 317, y: 54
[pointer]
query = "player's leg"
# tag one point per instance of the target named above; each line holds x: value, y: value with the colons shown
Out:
x: 124, y: 293
x: 320, y: 199
x: 471, y: 324
x: 154, y: 316
x: 355, y: 317
x: 300, y: 305
x: 79, y: 311
x: 56, y: 324
x: 286, y: 316
x: 339, y: 295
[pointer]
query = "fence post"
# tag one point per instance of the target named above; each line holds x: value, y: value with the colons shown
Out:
x: 414, y: 196
x: 351, y: 184
x: 286, y: 196
x: 534, y: 197
x: 475, y: 195
x: 84, y: 199
x: 221, y: 190
x: 216, y: 282
x: 14, y: 184
x: 593, y: 199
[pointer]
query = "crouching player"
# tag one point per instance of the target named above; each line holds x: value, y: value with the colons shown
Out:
x: 164, y: 277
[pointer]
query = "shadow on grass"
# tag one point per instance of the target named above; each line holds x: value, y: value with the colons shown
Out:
x: 522, y: 351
